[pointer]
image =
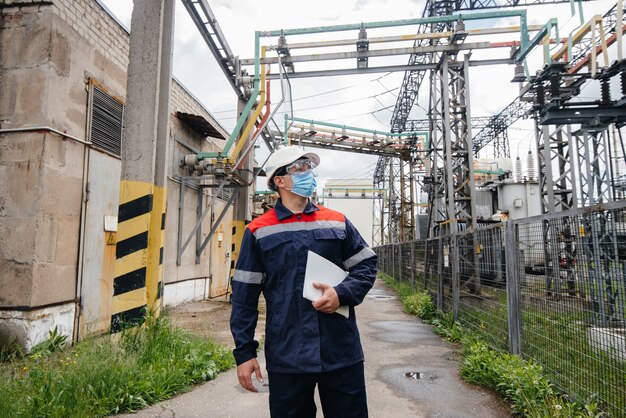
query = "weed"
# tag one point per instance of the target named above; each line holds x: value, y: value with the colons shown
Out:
x: 11, y: 351
x: 55, y: 342
x: 420, y: 304
x: 448, y: 328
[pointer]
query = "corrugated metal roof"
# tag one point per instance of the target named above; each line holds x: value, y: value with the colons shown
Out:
x: 200, y: 125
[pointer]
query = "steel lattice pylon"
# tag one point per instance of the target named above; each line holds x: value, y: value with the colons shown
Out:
x: 556, y: 177
x: 594, y: 165
x: 493, y: 130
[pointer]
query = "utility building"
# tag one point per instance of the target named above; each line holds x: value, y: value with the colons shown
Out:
x: 355, y: 198
x: 63, y: 74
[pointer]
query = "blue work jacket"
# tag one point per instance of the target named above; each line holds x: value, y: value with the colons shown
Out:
x: 272, y: 260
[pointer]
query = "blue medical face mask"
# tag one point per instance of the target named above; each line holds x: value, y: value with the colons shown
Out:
x: 303, y: 183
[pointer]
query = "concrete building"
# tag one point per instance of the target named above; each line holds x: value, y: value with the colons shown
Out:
x: 63, y: 66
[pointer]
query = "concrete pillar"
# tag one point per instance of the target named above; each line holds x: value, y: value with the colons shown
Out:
x: 142, y: 189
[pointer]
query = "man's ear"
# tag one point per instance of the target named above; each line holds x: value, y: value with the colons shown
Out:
x: 279, y: 182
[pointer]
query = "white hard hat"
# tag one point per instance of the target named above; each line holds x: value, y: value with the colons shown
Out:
x: 286, y: 156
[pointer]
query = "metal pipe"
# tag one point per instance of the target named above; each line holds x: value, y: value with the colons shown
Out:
x: 266, y: 119
x: 181, y: 212
x: 257, y: 132
x: 545, y: 31
x: 391, y: 68
x: 217, y: 222
x: 247, y: 108
x: 353, y: 128
x: 620, y: 16
x: 44, y: 128
x: 404, y: 22
x: 410, y: 37
x: 252, y: 120
x: 382, y: 52
x: 201, y: 218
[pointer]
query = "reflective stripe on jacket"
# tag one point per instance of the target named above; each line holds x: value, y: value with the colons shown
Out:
x: 272, y: 260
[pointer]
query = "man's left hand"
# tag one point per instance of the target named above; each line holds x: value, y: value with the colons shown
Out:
x: 329, y: 302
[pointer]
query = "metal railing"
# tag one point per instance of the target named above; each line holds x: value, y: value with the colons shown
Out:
x: 550, y: 288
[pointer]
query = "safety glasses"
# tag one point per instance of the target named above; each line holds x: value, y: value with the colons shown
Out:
x: 300, y: 166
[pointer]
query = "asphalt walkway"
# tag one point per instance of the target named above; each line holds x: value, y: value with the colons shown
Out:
x: 410, y: 372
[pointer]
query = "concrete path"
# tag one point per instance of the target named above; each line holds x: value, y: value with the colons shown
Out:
x: 394, y: 344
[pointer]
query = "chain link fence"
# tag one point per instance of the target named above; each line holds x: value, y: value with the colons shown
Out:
x: 550, y: 288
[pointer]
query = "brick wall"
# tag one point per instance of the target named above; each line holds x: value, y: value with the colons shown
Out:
x: 97, y: 27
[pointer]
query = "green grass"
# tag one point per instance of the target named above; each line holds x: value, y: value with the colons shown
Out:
x: 559, y: 341
x: 110, y: 374
x: 521, y: 382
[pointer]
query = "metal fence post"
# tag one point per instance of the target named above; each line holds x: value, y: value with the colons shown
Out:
x: 393, y: 260
x: 512, y: 289
x: 456, y: 276
x: 412, y: 244
x: 440, y: 274
x: 400, y: 245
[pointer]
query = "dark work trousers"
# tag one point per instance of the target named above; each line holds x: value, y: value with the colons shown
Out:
x: 342, y: 393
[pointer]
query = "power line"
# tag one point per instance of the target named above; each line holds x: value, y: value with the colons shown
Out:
x: 328, y: 105
x: 333, y: 91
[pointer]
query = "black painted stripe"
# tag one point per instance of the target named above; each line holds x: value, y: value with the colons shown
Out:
x: 159, y: 290
x: 129, y: 318
x: 163, y: 221
x: 134, y: 208
x: 232, y: 264
x: 234, y: 230
x: 160, y: 256
x: 132, y: 244
x: 130, y: 281
x: 232, y: 247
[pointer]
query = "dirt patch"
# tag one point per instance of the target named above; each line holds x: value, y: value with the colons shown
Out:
x: 211, y: 318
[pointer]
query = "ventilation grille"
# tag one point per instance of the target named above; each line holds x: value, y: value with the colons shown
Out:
x: 107, y: 116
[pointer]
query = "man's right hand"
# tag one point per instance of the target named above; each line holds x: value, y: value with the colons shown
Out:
x: 244, y: 374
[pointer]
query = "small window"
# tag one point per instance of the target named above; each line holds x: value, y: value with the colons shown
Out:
x: 105, y: 123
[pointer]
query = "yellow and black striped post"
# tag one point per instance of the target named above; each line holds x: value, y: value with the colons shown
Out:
x: 138, y: 277
x: 131, y: 266
x: 156, y: 243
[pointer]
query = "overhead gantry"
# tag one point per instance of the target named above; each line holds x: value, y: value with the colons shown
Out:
x: 439, y: 47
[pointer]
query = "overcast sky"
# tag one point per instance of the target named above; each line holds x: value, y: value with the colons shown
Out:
x: 351, y: 100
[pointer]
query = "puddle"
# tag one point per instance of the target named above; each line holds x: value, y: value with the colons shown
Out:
x: 381, y: 297
x: 413, y: 375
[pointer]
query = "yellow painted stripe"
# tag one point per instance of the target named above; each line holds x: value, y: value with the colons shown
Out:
x: 239, y: 228
x: 130, y: 263
x: 155, y: 242
x: 131, y: 190
x: 133, y: 227
x: 128, y: 300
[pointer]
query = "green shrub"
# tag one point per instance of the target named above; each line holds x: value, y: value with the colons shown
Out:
x: 445, y: 326
x: 420, y: 304
x: 519, y: 381
x: 55, y: 342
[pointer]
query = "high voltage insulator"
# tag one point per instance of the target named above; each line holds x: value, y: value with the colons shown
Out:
x: 531, y: 166
x: 518, y: 169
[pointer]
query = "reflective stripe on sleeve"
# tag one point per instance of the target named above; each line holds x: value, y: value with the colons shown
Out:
x: 250, y: 277
x: 364, y: 254
x: 297, y: 226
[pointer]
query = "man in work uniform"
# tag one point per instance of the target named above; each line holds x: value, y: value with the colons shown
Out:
x: 306, y: 343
